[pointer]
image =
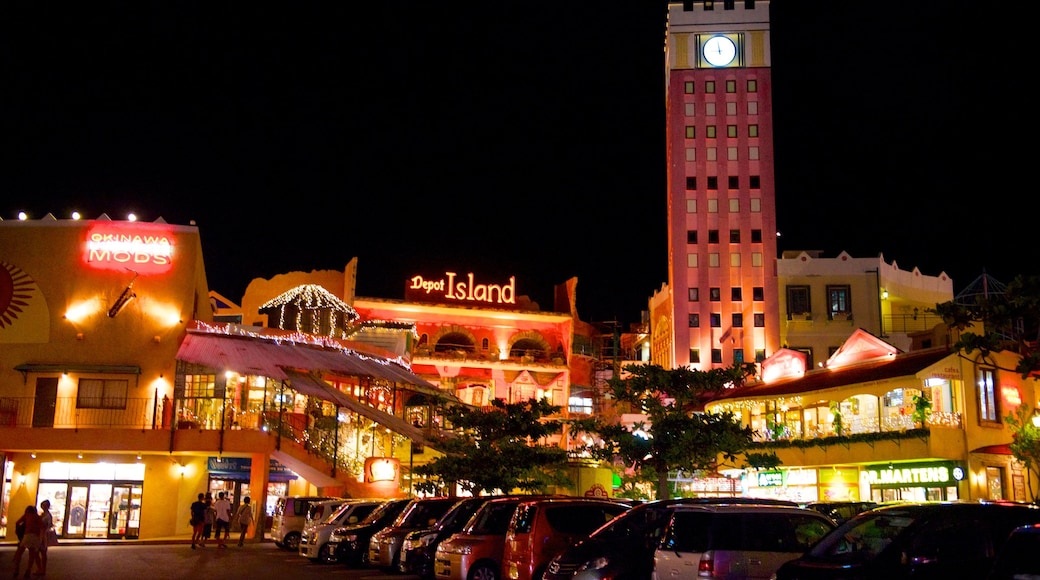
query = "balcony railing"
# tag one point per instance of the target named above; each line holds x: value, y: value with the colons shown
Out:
x: 858, y: 426
x: 67, y: 414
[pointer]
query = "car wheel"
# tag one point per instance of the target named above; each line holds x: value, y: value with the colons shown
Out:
x: 291, y: 541
x: 483, y: 572
x: 327, y: 555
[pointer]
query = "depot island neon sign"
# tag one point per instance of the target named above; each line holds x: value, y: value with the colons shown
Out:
x: 142, y: 249
x: 453, y: 288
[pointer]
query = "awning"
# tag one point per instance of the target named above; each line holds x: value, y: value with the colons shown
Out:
x: 311, y: 385
x: 269, y: 356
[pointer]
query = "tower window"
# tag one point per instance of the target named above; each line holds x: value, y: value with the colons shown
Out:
x: 758, y: 293
x: 713, y: 182
x: 694, y: 294
x: 691, y: 132
x: 752, y: 86
x: 695, y: 355
x: 691, y: 237
x: 734, y: 236
x: 731, y: 131
x: 713, y: 236
x: 731, y: 86
x: 756, y: 236
x: 689, y: 87
x: 695, y: 320
x: 714, y: 294
x: 709, y: 87
x: 716, y: 355
x: 752, y: 131
x: 716, y: 320
x: 755, y: 181
x: 736, y: 294
x: 738, y: 320
x: 734, y: 182
x: 691, y: 183
x: 711, y: 131
x: 759, y: 320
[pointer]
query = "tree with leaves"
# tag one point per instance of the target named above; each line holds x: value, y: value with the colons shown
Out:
x: 1005, y: 321
x: 678, y: 434
x: 497, y: 450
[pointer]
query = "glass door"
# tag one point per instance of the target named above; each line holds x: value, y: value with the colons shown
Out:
x: 77, y: 511
x: 125, y: 518
x: 98, y: 502
x: 56, y: 493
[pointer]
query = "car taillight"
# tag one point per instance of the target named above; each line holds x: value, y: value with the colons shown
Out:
x: 706, y: 567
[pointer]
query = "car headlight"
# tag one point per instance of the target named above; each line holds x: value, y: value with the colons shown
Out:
x: 595, y: 564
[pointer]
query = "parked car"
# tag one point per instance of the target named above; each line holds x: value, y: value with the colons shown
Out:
x: 384, y: 548
x: 735, y: 542
x: 290, y: 515
x: 314, y: 541
x: 839, y: 511
x: 349, y: 544
x: 1019, y: 559
x: 540, y: 529
x: 420, y: 546
x: 914, y: 540
x: 623, y: 549
x: 475, y: 553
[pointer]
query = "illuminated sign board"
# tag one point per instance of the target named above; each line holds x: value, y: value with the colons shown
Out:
x: 138, y: 247
x: 453, y: 288
x: 770, y: 479
x: 911, y: 475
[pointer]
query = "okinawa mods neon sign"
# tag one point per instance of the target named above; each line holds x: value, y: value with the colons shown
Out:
x: 454, y: 288
x: 139, y: 248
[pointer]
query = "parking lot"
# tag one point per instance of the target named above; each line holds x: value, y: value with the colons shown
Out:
x: 172, y: 561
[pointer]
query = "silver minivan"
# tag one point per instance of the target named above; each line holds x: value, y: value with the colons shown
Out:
x: 314, y: 542
x: 736, y: 542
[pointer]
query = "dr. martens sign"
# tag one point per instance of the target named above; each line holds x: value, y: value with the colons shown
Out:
x: 139, y: 247
x: 455, y: 289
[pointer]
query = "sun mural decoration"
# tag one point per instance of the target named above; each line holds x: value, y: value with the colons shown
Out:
x: 16, y: 288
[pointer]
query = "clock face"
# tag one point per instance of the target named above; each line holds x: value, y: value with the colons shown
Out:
x: 719, y: 50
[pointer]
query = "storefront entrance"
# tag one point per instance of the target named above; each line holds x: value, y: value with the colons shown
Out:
x: 98, y: 509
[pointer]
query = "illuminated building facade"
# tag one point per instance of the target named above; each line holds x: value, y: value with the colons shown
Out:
x: 721, y: 200
x: 121, y: 398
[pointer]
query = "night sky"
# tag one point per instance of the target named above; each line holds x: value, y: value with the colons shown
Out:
x: 508, y: 139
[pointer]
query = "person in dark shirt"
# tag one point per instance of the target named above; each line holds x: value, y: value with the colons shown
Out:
x: 198, y: 520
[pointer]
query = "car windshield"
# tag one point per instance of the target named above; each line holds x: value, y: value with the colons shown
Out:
x: 864, y: 537
x: 493, y: 518
x: 335, y: 513
x: 378, y: 513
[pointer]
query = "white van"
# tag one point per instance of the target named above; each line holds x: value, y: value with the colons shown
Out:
x: 290, y: 515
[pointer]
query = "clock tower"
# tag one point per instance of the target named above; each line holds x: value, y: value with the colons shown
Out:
x: 722, y: 246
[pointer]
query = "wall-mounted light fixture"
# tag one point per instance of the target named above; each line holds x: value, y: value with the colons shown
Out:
x: 33, y: 455
x: 79, y: 336
x: 884, y: 294
x: 79, y: 455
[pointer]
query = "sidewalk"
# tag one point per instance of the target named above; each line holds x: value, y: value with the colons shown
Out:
x: 12, y: 543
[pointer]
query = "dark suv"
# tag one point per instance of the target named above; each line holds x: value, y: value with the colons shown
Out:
x: 623, y: 549
x: 420, y: 546
x: 384, y: 548
x: 839, y: 511
x: 918, y: 540
x: 349, y: 544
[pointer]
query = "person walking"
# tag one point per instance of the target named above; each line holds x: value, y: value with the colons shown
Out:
x: 222, y: 528
x: 198, y: 520
x: 211, y: 516
x: 46, y: 528
x: 244, y: 518
x: 30, y: 541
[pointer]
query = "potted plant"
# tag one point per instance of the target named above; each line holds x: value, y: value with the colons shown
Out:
x: 922, y: 409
